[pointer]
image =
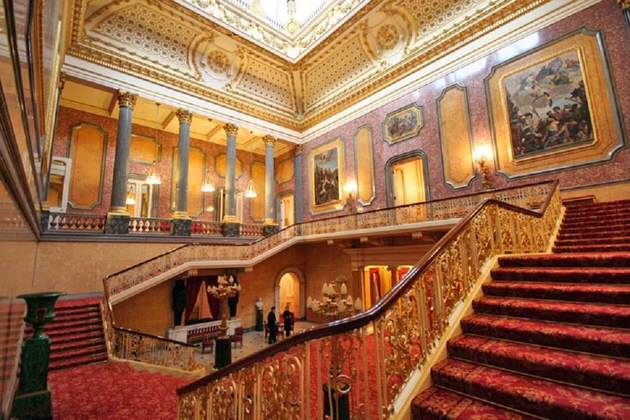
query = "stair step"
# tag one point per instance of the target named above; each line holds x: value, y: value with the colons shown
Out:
x: 77, y: 352
x: 602, y: 293
x: 599, y: 233
x: 593, y: 241
x: 55, y: 334
x: 592, y: 339
x: 563, y: 274
x: 536, y: 396
x: 592, y: 248
x: 613, y: 216
x: 599, y: 372
x: 77, y: 337
x: 595, y: 225
x: 608, y: 230
x: 75, y: 317
x: 437, y: 403
x: 75, y: 310
x: 576, y: 312
x: 60, y: 326
x: 617, y: 259
x: 598, y: 206
x: 77, y: 361
x: 71, y: 345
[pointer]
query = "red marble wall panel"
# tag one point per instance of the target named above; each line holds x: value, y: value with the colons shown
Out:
x: 606, y: 17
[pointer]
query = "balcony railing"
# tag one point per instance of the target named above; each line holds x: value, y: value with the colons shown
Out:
x: 529, y: 196
x: 377, y: 351
x: 149, y: 225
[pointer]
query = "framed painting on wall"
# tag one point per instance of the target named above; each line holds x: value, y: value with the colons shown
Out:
x: 554, y: 107
x: 326, y: 169
x: 403, y: 124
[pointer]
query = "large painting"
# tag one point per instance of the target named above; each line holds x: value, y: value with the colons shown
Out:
x: 403, y: 124
x: 554, y: 107
x: 548, y: 106
x: 326, y: 168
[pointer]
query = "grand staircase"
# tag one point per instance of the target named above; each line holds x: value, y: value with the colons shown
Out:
x: 76, y: 333
x: 550, y: 337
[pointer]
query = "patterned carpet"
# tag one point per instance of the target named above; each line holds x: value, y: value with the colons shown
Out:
x: 113, y: 391
x: 551, y: 336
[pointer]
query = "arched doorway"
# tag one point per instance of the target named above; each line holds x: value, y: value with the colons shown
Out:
x: 407, y: 179
x: 290, y: 289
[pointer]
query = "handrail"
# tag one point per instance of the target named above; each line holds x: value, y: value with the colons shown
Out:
x: 401, y: 335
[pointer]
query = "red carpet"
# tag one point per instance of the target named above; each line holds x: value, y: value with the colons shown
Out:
x: 76, y: 333
x: 551, y: 336
x: 113, y: 391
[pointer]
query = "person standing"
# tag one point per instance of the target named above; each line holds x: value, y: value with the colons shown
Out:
x: 259, y: 314
x: 272, y: 325
x: 287, y: 316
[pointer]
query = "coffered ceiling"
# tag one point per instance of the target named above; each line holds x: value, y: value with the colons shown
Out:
x: 364, y: 47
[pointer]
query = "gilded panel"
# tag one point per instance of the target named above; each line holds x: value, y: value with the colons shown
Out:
x: 326, y: 175
x: 284, y: 171
x: 143, y: 149
x: 455, y: 136
x: 257, y: 204
x: 220, y: 166
x: 88, y: 145
x: 196, y: 178
x: 364, y: 165
x: 267, y: 82
x: 554, y: 107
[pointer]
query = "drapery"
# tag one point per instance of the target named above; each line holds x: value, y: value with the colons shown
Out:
x: 192, y: 290
x: 214, y: 303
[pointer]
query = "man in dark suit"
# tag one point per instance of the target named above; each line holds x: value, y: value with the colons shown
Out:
x: 272, y: 325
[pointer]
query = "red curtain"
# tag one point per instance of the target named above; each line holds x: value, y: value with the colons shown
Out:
x: 401, y: 272
x: 192, y: 290
x: 375, y: 282
x: 214, y: 303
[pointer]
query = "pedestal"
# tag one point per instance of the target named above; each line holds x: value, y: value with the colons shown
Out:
x: 181, y: 227
x: 117, y: 224
x: 270, y: 229
x: 259, y: 320
x: 33, y: 397
x: 340, y: 409
x: 222, y: 352
x: 231, y: 229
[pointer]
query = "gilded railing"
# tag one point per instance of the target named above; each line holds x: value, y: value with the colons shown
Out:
x: 127, y: 344
x: 368, y: 358
x: 529, y: 196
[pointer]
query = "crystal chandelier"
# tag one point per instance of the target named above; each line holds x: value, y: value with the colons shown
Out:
x: 250, y: 191
x: 225, y: 288
x: 153, y: 178
x: 336, y: 302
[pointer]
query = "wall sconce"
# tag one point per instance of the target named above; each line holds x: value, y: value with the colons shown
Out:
x: 481, y: 156
x: 350, y: 188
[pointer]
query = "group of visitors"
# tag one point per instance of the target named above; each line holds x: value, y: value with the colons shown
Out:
x: 272, y: 324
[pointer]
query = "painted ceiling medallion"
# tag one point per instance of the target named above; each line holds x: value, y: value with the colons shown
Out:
x: 387, y: 36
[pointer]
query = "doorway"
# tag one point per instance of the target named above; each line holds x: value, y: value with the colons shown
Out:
x: 407, y: 179
x: 290, y: 290
x: 285, y: 211
x: 139, y: 198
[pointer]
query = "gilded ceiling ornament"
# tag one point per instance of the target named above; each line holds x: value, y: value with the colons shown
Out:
x: 387, y: 36
x: 218, y: 62
x: 127, y: 99
x: 625, y: 4
x: 184, y: 116
x: 230, y: 129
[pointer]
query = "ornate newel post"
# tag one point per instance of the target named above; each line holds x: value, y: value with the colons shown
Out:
x: 118, y: 217
x: 33, y: 397
x: 225, y: 289
x: 336, y: 304
x: 231, y: 227
x: 270, y: 226
x: 182, y: 224
x: 298, y: 164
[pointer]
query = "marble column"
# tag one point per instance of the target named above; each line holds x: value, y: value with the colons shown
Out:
x: 182, y: 224
x: 118, y: 217
x: 270, y: 226
x: 298, y: 169
x: 231, y: 226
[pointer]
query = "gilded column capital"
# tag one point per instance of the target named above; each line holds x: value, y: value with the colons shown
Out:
x: 269, y: 140
x: 184, y: 116
x: 625, y: 4
x: 299, y: 149
x: 127, y: 99
x: 230, y: 129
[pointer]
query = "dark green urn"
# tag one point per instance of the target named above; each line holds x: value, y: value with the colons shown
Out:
x: 33, y: 397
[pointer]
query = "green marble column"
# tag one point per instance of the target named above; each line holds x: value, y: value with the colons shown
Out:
x: 270, y: 226
x: 182, y: 224
x: 230, y: 223
x: 33, y: 397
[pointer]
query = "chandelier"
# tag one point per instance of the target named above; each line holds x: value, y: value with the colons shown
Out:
x: 250, y: 191
x: 336, y: 302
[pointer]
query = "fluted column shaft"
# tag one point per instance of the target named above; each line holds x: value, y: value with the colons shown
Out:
x: 230, y: 177
x: 183, y: 152
x: 270, y: 194
x: 126, y: 102
x: 298, y: 164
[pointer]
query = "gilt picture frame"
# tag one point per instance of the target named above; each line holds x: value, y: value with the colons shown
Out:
x: 554, y: 107
x: 403, y: 124
x: 326, y: 177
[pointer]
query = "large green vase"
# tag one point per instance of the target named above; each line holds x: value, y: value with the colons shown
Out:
x: 33, y: 397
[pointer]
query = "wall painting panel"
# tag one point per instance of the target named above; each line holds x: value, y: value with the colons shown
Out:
x: 196, y: 178
x: 257, y: 204
x: 88, y: 145
x: 364, y: 165
x: 326, y: 175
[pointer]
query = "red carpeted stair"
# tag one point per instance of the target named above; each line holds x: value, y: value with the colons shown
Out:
x: 76, y: 333
x: 551, y: 336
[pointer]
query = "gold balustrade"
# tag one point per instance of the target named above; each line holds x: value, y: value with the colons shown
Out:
x: 377, y: 351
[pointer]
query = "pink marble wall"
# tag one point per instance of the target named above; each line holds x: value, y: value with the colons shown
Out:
x: 70, y: 117
x: 606, y: 17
